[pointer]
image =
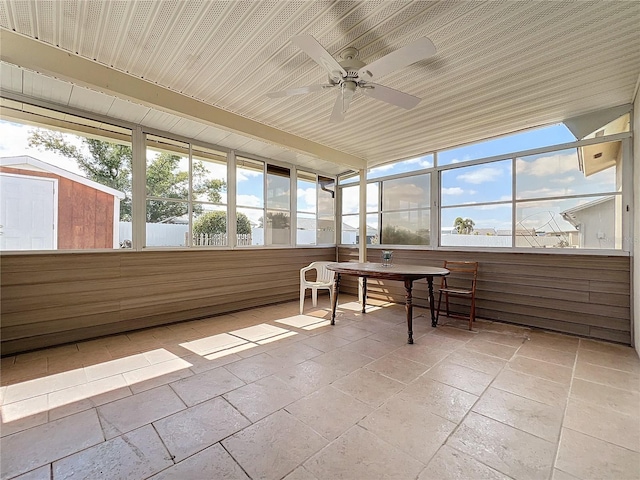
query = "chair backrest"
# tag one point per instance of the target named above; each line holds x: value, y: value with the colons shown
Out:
x: 323, y: 274
x: 463, y: 274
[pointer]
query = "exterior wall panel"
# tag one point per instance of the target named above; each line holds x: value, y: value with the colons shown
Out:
x: 587, y: 295
x: 49, y: 299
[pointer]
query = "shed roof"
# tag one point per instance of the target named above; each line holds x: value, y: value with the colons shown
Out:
x: 27, y: 162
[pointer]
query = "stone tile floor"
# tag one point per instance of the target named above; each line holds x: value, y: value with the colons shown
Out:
x: 268, y: 394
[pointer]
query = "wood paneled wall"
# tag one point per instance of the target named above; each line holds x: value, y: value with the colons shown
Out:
x: 50, y: 299
x: 587, y: 295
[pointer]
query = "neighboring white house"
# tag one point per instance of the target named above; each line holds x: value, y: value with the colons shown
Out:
x: 595, y: 222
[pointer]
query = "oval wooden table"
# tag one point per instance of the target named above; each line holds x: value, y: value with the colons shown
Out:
x: 403, y: 273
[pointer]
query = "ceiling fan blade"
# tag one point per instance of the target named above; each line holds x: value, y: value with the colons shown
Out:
x: 415, y: 51
x: 337, y: 115
x: 311, y: 47
x: 342, y: 102
x: 298, y: 91
x: 389, y: 95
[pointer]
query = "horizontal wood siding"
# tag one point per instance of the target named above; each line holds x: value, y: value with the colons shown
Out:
x: 587, y: 295
x: 49, y: 299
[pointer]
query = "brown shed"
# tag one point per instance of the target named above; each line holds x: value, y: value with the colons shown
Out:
x: 44, y: 207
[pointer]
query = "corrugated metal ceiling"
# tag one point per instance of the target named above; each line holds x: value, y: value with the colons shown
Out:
x: 501, y: 66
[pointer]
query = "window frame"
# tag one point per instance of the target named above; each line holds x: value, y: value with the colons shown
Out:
x: 436, y: 198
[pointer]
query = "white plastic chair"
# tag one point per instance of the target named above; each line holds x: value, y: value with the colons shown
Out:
x: 324, y: 280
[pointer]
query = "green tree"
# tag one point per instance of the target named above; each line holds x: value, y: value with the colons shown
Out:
x: 216, y: 222
x: 464, y: 226
x: 166, y: 180
x: 399, y: 236
x: 278, y: 220
x: 106, y: 163
x: 110, y: 164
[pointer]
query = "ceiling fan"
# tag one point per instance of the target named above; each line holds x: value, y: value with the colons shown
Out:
x: 352, y: 74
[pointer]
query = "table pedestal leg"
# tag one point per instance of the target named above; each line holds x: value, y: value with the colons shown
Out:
x: 408, y: 285
x: 364, y: 294
x: 336, y: 288
x: 434, y: 322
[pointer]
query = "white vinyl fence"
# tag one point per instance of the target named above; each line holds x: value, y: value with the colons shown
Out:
x: 176, y: 235
x: 217, y: 239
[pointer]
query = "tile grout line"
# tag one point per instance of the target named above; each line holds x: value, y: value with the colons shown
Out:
x: 564, y: 413
x: 471, y: 409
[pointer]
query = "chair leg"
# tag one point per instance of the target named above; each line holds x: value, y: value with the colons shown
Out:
x: 446, y: 302
x: 438, y: 309
x: 472, y: 314
x: 314, y: 296
x: 302, y: 291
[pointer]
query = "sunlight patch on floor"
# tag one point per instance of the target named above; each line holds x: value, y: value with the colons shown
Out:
x: 31, y: 397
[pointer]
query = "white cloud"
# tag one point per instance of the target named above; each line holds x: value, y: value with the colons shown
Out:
x: 14, y: 141
x: 249, y: 200
x: 382, y: 168
x: 350, y: 200
x: 481, y: 175
x: 307, y: 199
x: 494, y: 207
x: 452, y: 191
x: 406, y: 194
x: 548, y: 166
x: 545, y: 192
x: 562, y: 181
x: 243, y: 175
x: 423, y: 162
x: 214, y: 170
x: 253, y: 215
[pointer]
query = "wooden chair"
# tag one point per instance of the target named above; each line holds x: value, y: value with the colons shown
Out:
x: 324, y: 280
x: 461, y: 282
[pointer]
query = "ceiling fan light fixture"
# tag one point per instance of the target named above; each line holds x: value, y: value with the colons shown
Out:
x: 351, y: 73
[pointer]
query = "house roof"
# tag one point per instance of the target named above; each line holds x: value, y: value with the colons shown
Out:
x: 26, y: 162
x: 203, y: 69
x: 571, y: 214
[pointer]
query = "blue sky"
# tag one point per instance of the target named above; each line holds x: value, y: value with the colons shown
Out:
x: 474, y: 191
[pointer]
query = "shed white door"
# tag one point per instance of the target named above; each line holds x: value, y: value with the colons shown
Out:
x: 28, y: 216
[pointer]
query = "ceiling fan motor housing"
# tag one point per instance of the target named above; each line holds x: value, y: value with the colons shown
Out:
x: 351, y: 64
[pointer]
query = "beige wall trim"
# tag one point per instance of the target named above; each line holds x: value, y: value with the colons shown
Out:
x: 40, y: 57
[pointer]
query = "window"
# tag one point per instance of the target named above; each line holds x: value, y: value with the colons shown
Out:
x: 185, y: 187
x: 306, y: 218
x: 326, y: 211
x: 476, y: 205
x: 405, y: 210
x: 270, y: 220
x: 209, y: 186
x: 351, y: 217
x: 65, y: 181
x: 570, y: 198
x: 167, y: 186
x: 398, y: 211
x: 278, y: 214
x: 316, y: 211
x: 250, y: 200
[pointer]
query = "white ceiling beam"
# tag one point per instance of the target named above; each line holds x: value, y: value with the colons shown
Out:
x: 40, y: 57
